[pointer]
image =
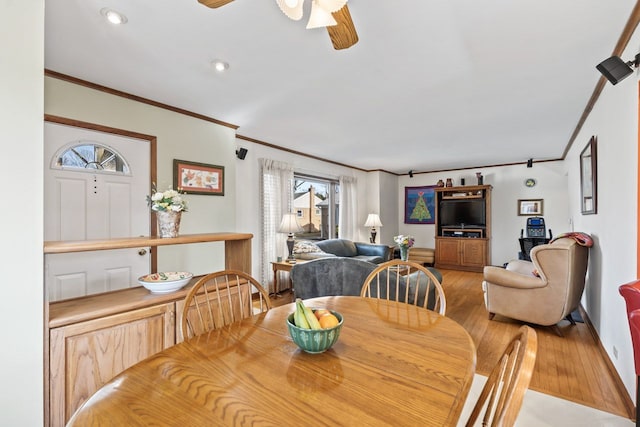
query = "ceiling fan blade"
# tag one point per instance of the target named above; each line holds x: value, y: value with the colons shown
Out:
x: 344, y: 34
x: 214, y: 3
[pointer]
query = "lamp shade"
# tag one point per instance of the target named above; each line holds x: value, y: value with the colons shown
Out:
x: 289, y: 224
x: 373, y: 220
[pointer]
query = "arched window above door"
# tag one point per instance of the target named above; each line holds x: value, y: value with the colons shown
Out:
x: 91, y: 156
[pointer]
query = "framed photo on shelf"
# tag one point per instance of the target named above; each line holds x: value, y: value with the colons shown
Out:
x: 420, y: 205
x: 198, y: 178
x: 588, y: 178
x: 530, y: 207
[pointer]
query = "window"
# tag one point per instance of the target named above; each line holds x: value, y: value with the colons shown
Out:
x: 91, y: 156
x: 316, y: 205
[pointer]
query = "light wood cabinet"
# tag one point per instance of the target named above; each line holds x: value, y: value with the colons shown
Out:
x: 86, y: 355
x: 463, y: 227
x: 92, y: 339
x: 461, y: 253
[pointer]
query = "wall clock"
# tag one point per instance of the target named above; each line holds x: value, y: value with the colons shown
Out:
x: 530, y: 182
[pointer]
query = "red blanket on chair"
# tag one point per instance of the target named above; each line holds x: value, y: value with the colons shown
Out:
x: 583, y: 239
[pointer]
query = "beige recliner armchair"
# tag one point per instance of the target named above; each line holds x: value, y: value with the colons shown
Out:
x: 543, y: 291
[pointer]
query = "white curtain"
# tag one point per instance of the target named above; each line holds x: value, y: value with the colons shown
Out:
x: 276, y: 187
x: 347, y: 223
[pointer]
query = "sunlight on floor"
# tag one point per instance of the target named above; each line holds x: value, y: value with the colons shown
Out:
x: 543, y: 410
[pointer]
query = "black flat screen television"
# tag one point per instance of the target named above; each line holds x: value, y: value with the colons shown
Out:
x: 462, y: 213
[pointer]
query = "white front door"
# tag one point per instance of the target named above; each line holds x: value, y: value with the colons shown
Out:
x: 88, y: 201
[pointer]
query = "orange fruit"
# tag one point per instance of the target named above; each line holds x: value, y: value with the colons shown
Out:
x: 321, y: 312
x: 328, y: 321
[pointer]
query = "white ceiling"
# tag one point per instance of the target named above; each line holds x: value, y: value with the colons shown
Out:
x: 432, y: 84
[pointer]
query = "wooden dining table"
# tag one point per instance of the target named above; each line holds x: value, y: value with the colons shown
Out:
x: 393, y: 364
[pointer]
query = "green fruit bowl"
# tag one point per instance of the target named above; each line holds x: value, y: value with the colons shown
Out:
x: 315, y: 340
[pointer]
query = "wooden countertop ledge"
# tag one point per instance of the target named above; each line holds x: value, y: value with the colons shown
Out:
x: 59, y: 247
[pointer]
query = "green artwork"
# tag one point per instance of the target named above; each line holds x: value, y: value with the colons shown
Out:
x: 419, y: 205
x: 420, y: 211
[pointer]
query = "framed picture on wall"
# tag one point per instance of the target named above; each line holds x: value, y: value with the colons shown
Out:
x: 198, y: 178
x: 420, y: 205
x: 530, y: 207
x: 588, y: 178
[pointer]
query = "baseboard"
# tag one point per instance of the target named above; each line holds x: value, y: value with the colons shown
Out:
x: 620, y: 387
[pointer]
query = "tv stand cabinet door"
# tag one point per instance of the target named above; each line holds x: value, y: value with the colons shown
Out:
x: 447, y: 252
x: 473, y: 254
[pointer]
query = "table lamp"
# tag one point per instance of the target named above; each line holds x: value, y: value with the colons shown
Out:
x: 289, y: 224
x: 373, y: 221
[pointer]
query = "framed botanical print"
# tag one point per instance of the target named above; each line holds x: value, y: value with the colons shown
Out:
x: 198, y: 178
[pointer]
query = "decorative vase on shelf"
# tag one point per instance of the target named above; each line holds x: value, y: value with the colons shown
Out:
x: 168, y: 223
x: 404, y: 253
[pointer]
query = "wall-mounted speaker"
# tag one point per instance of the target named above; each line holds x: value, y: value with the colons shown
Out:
x: 615, y: 69
x: 242, y: 153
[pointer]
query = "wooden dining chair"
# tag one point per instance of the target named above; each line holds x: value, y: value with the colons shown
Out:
x: 405, y: 281
x: 502, y: 395
x: 221, y: 298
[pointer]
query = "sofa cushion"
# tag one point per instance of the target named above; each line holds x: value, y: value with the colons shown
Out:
x: 330, y: 276
x: 370, y: 258
x: 305, y: 246
x: 314, y: 255
x: 338, y: 247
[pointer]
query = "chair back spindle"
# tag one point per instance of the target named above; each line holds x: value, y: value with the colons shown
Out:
x: 221, y: 298
x: 405, y: 281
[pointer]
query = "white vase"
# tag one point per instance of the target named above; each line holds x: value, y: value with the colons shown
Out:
x: 168, y: 223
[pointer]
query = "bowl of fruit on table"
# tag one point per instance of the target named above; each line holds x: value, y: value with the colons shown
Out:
x: 314, y: 330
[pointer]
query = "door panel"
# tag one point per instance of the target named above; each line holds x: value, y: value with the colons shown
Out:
x: 87, y: 204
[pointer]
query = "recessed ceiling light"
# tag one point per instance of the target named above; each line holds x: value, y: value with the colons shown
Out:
x: 220, y: 65
x: 113, y: 16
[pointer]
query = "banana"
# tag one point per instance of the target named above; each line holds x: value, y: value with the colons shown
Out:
x: 299, y: 316
x: 311, y: 318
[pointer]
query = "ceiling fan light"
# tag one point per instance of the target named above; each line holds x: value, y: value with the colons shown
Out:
x: 113, y: 16
x: 220, y: 65
x: 331, y: 5
x: 291, y: 8
x: 320, y: 17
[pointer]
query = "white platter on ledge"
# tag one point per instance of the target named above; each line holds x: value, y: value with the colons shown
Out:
x: 165, y: 282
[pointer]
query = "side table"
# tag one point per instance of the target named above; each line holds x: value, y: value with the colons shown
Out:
x: 281, y: 266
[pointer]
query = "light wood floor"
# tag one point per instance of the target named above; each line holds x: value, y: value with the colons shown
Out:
x: 572, y: 367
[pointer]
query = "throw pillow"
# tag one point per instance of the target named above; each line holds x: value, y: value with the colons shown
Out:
x: 305, y: 247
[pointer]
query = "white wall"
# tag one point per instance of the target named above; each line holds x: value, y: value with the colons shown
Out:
x: 248, y: 191
x: 22, y: 303
x: 613, y: 259
x: 508, y: 187
x: 178, y: 137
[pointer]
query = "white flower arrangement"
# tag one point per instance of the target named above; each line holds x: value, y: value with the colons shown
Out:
x: 406, y: 241
x: 169, y: 200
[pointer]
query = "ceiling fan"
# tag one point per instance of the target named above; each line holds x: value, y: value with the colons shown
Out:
x: 332, y: 14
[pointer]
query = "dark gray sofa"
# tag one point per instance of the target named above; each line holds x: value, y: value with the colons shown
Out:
x: 342, y: 248
x: 345, y: 276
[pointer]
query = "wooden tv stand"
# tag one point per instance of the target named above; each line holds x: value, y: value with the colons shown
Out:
x: 463, y: 247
